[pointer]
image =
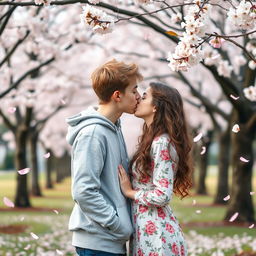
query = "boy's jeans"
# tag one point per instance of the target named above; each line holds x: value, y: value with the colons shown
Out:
x: 88, y: 252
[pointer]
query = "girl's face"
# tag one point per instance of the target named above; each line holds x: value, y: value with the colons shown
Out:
x: 145, y: 109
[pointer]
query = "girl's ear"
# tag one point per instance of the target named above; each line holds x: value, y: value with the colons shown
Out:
x: 116, y: 96
x: 154, y: 109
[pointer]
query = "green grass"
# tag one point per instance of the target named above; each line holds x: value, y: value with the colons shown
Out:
x: 42, y: 222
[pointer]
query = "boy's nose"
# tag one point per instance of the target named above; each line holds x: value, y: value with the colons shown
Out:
x: 138, y: 97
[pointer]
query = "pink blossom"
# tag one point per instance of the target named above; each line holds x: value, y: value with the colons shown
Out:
x: 216, y: 42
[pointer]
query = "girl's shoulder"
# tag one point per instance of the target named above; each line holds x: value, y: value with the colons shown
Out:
x: 163, y: 138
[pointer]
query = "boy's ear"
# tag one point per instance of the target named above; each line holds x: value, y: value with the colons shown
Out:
x: 116, y: 96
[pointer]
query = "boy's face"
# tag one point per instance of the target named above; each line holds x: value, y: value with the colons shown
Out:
x: 130, y: 98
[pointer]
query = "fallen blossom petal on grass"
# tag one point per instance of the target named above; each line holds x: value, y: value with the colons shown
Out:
x: 194, y: 202
x: 34, y: 235
x: 244, y: 159
x: 198, y: 137
x: 251, y: 226
x: 59, y: 252
x: 56, y: 211
x: 198, y: 211
x: 233, y: 217
x: 24, y: 171
x: 27, y: 247
x: 8, y: 202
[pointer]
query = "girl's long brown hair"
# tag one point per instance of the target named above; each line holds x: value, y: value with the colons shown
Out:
x: 169, y: 118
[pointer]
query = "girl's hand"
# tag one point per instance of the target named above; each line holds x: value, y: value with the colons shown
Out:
x: 125, y: 183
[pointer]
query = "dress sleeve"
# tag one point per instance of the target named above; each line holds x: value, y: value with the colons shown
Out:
x: 163, y: 176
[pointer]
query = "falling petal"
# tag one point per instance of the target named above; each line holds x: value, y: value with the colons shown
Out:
x: 24, y: 171
x: 252, y: 193
x: 59, y: 252
x: 63, y: 102
x: 194, y: 202
x: 203, y: 150
x: 47, y: 155
x: 8, y: 202
x: 27, y: 247
x: 11, y: 110
x: 251, y: 226
x: 226, y: 198
x: 34, y: 235
x: 234, y: 217
x: 56, y: 211
x: 244, y: 159
x: 234, y: 97
x: 198, y: 211
x: 236, y: 128
x: 22, y: 218
x: 198, y: 137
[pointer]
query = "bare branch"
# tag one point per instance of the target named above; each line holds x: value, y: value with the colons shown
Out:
x: 9, y: 54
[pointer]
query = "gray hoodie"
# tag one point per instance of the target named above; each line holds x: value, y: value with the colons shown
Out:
x: 100, y: 219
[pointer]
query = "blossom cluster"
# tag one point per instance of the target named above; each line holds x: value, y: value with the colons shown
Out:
x: 250, y: 93
x: 97, y: 20
x: 188, y: 51
x: 244, y: 16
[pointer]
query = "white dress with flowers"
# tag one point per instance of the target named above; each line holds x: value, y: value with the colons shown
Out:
x: 157, y: 231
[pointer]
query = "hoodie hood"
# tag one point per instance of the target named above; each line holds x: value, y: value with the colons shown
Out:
x: 85, y: 118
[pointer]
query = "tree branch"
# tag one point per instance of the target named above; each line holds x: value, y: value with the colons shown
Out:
x: 8, y: 14
x: 7, y: 122
x: 9, y: 54
x: 16, y: 84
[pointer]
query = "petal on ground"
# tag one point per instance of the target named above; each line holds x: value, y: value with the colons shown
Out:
x: 34, y: 236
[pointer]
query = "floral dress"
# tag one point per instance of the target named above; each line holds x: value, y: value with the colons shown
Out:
x: 157, y: 231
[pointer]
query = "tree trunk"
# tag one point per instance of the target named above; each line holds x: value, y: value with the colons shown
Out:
x: 59, y: 169
x: 35, y: 186
x: 22, y: 196
x: 241, y: 200
x: 49, y: 169
x: 203, y: 164
x: 223, y: 165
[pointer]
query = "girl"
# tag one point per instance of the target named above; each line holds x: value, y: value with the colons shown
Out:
x: 160, y: 166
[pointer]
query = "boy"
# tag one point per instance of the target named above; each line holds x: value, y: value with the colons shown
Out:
x: 100, y: 220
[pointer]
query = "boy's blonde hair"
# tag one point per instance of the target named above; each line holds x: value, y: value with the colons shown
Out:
x: 113, y: 76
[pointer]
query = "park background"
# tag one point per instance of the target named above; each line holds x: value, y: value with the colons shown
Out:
x: 46, y: 58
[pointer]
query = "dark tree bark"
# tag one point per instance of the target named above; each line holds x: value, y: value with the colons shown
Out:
x: 49, y: 170
x: 22, y: 195
x: 203, y: 164
x: 242, y: 146
x: 33, y: 142
x: 223, y: 165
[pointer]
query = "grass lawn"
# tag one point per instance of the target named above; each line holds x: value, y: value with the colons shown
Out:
x: 50, y: 223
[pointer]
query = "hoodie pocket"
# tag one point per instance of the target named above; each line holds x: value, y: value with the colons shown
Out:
x: 124, y: 230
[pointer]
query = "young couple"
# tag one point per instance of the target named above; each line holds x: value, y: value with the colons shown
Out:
x: 109, y: 208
